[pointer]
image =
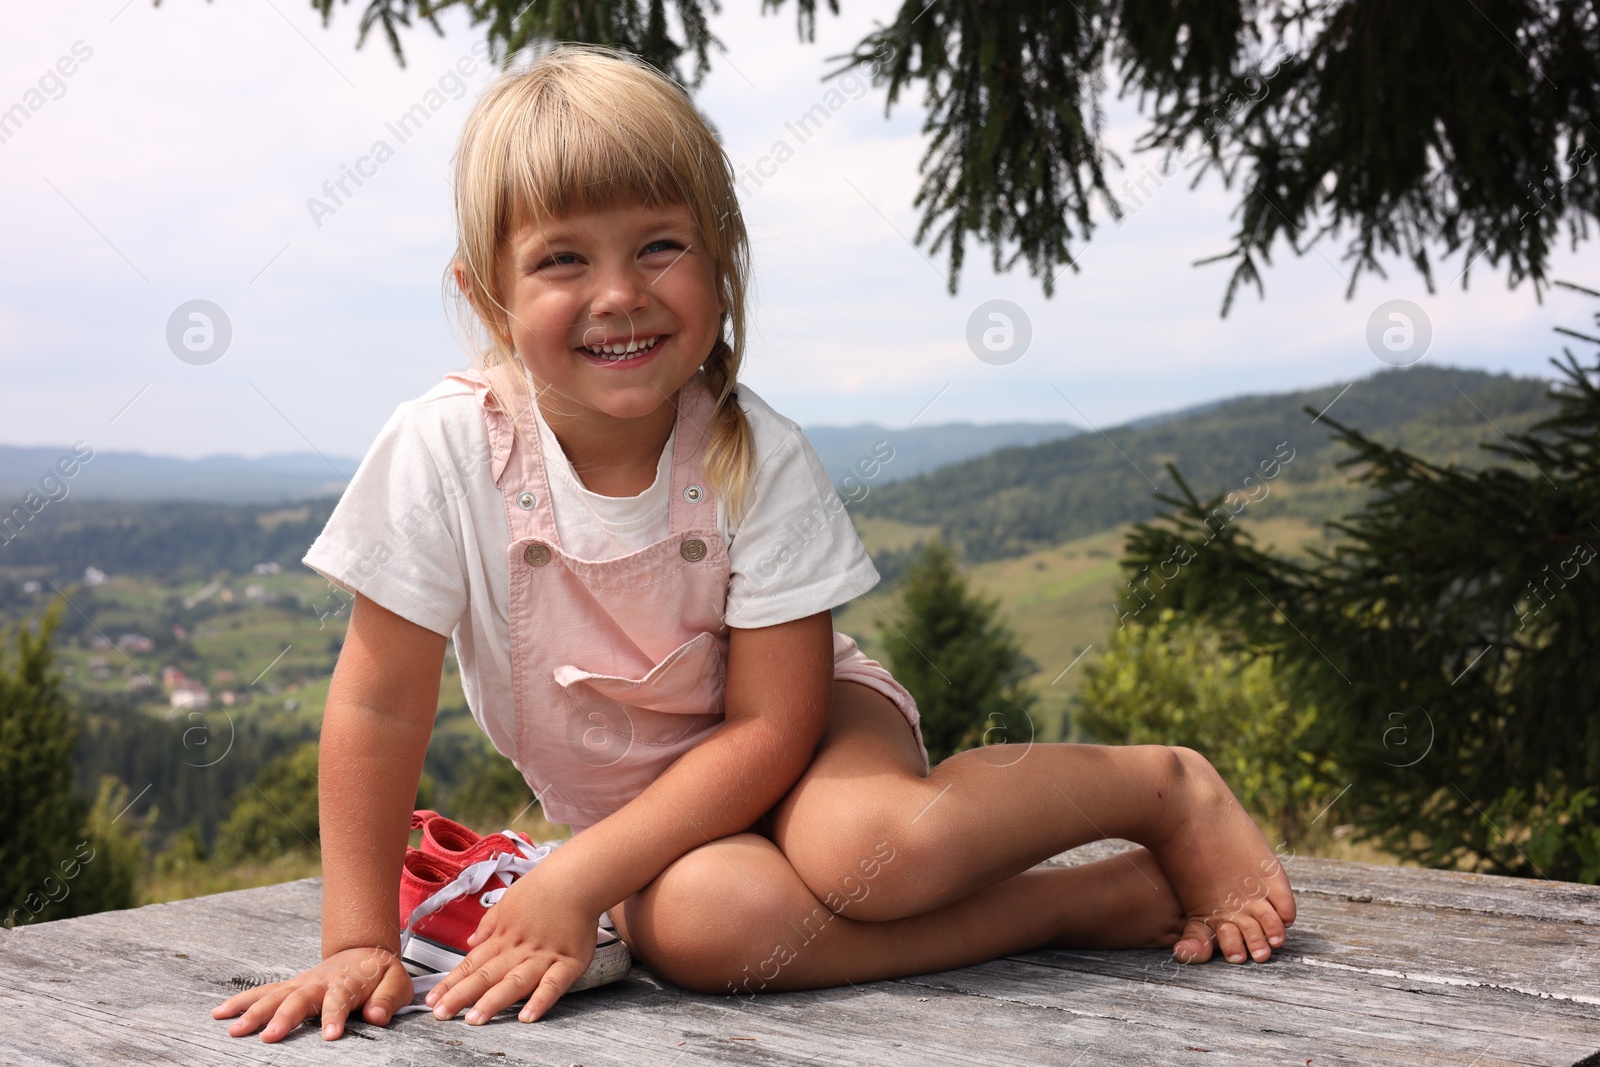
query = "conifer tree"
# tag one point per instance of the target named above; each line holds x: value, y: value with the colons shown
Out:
x: 961, y: 663
x: 59, y: 857
x: 40, y: 815
x: 1450, y: 641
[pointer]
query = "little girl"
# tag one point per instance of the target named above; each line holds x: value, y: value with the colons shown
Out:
x: 636, y: 558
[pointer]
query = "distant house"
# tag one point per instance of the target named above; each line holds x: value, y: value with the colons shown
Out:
x: 190, y: 696
x: 135, y: 643
x: 184, y: 692
x: 94, y: 576
x: 266, y: 568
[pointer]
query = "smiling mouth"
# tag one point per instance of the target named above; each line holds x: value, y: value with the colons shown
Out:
x: 626, y: 351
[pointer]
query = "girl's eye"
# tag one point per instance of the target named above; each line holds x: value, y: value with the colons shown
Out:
x: 663, y: 244
x: 555, y: 260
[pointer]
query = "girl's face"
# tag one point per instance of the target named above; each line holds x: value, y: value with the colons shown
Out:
x: 633, y: 276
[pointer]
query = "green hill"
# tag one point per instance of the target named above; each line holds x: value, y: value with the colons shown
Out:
x: 1016, y: 500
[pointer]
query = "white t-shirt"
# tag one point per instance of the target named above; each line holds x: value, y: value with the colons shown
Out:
x: 421, y: 530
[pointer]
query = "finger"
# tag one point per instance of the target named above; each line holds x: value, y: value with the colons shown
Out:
x: 444, y: 984
x: 337, y: 1002
x: 452, y: 978
x: 517, y: 983
x: 558, y: 978
x: 1230, y: 942
x: 241, y: 1001
x: 334, y: 1013
x: 256, y: 1015
x: 297, y: 1007
x: 1196, y: 943
x: 462, y: 986
x: 393, y: 993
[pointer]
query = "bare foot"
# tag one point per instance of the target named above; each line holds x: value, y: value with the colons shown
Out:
x: 1123, y: 901
x: 1235, y: 894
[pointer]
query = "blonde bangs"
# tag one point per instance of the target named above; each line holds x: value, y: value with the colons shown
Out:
x: 571, y: 153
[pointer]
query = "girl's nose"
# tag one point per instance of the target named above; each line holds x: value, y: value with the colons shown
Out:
x: 621, y: 292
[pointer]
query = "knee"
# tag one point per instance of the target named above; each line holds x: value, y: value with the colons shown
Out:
x: 704, y: 922
x: 1181, y: 762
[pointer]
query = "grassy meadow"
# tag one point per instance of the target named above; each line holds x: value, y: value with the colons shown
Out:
x: 1060, y: 602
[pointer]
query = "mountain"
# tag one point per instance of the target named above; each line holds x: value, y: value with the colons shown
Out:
x: 136, y: 476
x: 996, y: 505
x: 1181, y: 413
x: 308, y: 475
x: 860, y: 450
x: 1014, y: 500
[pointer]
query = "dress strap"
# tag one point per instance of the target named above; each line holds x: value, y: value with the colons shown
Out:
x: 517, y: 465
x: 691, y: 502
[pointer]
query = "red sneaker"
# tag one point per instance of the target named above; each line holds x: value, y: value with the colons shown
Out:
x: 454, y: 843
x: 442, y: 903
x: 449, y: 840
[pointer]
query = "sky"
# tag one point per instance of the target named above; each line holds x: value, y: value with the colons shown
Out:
x: 176, y: 162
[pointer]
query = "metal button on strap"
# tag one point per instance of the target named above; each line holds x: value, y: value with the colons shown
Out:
x: 526, y: 501
x: 537, y: 554
x: 692, y: 494
x: 693, y: 549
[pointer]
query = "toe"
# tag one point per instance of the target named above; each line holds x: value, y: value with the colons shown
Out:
x: 1255, y: 939
x: 1281, y: 897
x: 1231, y: 942
x: 1271, y: 924
x: 1195, y: 945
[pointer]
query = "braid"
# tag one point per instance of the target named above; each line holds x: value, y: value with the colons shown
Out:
x: 731, y: 453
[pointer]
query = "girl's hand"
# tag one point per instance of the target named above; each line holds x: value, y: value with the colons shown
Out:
x: 531, y: 942
x: 343, y: 982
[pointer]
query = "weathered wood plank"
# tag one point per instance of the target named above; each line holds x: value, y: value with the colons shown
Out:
x: 1371, y: 982
x: 1476, y: 972
x: 1414, y: 886
x: 1474, y: 893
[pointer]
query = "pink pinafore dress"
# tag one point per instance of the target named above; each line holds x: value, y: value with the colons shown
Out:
x: 618, y: 666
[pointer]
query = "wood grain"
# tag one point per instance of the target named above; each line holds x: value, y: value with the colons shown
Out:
x: 1392, y: 966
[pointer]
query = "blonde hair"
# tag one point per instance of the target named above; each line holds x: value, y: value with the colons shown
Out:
x: 587, y: 128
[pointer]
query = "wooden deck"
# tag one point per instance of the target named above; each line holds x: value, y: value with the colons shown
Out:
x: 1385, y: 966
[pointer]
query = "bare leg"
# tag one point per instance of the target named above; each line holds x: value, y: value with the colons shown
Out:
x: 733, y: 917
x: 987, y: 814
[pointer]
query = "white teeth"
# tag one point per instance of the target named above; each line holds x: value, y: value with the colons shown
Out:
x: 622, y: 349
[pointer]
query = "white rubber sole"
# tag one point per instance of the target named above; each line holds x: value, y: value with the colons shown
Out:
x: 612, y: 960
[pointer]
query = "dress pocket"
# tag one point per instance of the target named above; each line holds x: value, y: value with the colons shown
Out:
x: 678, y: 696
